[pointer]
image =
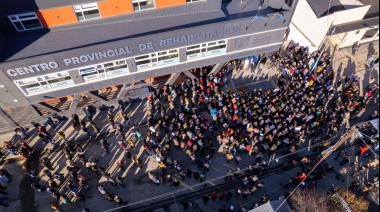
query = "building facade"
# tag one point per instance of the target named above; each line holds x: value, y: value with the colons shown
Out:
x: 353, y: 21
x: 62, y: 50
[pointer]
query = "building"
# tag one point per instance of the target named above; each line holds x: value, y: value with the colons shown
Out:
x: 354, y: 21
x: 55, y: 51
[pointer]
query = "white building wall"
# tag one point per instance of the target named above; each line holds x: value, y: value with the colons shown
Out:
x: 297, y: 37
x: 315, y: 29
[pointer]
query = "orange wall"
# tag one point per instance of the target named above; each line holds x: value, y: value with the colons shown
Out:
x: 169, y: 3
x: 125, y: 6
x: 57, y: 16
x: 115, y: 7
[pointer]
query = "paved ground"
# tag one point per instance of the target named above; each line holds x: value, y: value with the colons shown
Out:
x: 141, y: 194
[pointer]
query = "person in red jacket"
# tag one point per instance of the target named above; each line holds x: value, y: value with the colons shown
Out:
x: 363, y: 148
x: 301, y: 177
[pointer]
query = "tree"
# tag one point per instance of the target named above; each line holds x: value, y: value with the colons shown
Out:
x: 312, y: 200
x: 356, y: 204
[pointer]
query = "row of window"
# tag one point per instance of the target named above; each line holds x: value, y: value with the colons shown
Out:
x: 29, y: 21
x: 113, y: 69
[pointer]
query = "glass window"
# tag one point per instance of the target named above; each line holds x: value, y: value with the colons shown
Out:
x: 32, y: 88
x: 142, y: 62
x: 170, y: 56
x: 193, y: 47
x: 87, y: 11
x: 26, y: 21
x: 216, y: 47
x: 61, y: 82
x: 143, y: 4
x: 142, y: 57
x: 89, y: 73
x: 45, y: 82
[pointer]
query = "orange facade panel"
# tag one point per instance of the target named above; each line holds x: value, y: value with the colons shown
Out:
x: 125, y: 6
x: 68, y: 15
x: 106, y: 8
x: 46, y: 18
x: 57, y: 16
x: 169, y: 3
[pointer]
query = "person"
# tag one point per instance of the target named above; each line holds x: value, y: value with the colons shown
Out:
x: 342, y: 172
x: 119, y: 181
x: 21, y: 132
x: 194, y: 205
x: 37, y: 187
x: 355, y: 47
x: 119, y: 201
x: 185, y: 205
x: 5, y: 179
x: 64, y: 200
x: 102, y: 189
x: 205, y: 199
x: 229, y: 196
x: 176, y: 183
x: 47, y: 163
x: 50, y: 122
x: 372, y: 58
x: 121, y: 165
x: 104, y: 144
x: 10, y: 148
x: 154, y: 178
x: 362, y: 149
x: 62, y: 135
x: 94, y: 126
x: 213, y: 196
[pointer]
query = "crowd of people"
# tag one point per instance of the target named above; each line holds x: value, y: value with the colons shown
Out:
x: 307, y: 103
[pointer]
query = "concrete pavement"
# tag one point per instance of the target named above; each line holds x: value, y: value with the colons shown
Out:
x: 140, y: 191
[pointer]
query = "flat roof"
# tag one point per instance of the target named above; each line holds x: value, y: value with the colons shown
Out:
x: 373, y: 10
x: 321, y: 7
x: 357, y: 25
x: 120, y: 28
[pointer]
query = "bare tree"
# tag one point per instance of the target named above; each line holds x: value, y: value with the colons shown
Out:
x: 312, y: 200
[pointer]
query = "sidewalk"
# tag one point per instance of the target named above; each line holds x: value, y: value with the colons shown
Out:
x: 140, y: 190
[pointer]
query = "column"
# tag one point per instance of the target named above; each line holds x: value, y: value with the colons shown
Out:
x: 189, y: 74
x: 173, y: 78
x: 217, y: 68
x: 74, y: 103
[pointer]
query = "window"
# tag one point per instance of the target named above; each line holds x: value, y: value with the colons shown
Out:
x: 87, y: 11
x: 370, y: 33
x: 109, y: 69
x: 206, y: 49
x: 193, y: 52
x: 46, y: 82
x: 89, y: 73
x: 143, y: 4
x: 157, y: 59
x: 61, y: 82
x: 215, y: 48
x: 25, y: 21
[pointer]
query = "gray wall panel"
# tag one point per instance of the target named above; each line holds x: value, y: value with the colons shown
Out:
x: 74, y: 74
x: 131, y: 65
x: 252, y: 41
x: 182, y: 55
x: 134, y: 43
x: 154, y: 73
